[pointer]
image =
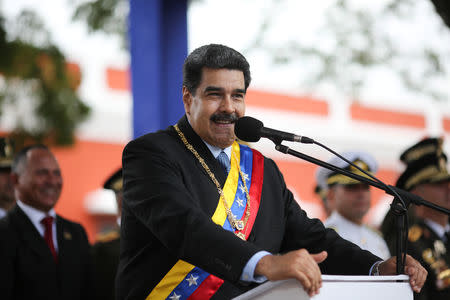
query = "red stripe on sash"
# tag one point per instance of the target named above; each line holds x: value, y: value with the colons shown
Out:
x: 255, y: 189
x: 207, y: 288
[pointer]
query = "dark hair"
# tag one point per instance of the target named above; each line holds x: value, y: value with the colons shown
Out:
x: 21, y: 156
x: 213, y: 56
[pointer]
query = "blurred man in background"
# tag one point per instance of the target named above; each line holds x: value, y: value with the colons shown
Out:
x: 426, y: 175
x: 106, y: 250
x: 351, y: 201
x: 6, y: 188
x: 42, y: 255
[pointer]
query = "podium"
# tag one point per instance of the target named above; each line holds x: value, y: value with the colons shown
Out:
x: 336, y: 287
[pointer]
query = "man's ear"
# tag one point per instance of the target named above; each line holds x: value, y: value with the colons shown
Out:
x: 330, y: 194
x: 187, y: 100
x: 14, y: 178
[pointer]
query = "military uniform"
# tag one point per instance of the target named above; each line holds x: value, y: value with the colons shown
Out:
x: 361, y: 235
x: 434, y: 254
x: 426, y: 163
x: 106, y: 259
x: 106, y: 250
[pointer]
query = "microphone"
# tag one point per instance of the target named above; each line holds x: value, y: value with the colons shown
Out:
x: 252, y: 130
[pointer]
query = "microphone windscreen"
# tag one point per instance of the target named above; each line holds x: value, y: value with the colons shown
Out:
x: 248, y: 129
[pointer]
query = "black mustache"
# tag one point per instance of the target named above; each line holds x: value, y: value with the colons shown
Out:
x: 224, y: 117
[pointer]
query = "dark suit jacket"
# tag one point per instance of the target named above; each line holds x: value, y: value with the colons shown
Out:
x: 27, y: 268
x: 168, y: 203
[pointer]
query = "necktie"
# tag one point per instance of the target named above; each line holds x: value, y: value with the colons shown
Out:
x: 48, y: 235
x: 224, y: 162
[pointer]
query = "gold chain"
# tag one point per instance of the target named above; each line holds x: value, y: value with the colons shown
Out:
x: 238, y: 225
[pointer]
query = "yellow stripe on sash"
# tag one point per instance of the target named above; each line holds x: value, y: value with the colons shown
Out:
x: 230, y: 187
x: 179, y: 271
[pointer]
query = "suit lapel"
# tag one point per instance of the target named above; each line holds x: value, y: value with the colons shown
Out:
x: 29, y: 233
x: 202, y: 150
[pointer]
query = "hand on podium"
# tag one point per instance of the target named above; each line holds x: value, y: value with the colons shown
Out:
x: 299, y: 264
x: 417, y: 273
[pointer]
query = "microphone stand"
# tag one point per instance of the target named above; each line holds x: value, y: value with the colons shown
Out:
x: 399, y: 206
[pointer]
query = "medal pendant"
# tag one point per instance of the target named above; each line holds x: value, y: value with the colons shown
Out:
x: 241, y: 235
x: 239, y: 224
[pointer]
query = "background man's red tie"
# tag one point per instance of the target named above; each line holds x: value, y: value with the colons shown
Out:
x: 48, y: 235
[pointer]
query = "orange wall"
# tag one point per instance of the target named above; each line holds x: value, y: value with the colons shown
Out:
x: 384, y: 116
x: 297, y: 104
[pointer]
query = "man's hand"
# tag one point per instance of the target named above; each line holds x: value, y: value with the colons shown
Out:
x: 417, y: 273
x: 297, y: 264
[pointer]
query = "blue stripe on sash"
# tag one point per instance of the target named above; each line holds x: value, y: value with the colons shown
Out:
x: 183, y: 289
x: 246, y: 165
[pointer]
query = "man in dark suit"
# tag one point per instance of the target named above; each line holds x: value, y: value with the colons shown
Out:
x: 426, y: 175
x: 205, y: 217
x: 105, y: 252
x: 42, y: 255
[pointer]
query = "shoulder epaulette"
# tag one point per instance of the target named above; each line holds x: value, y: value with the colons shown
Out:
x: 108, y: 236
x: 414, y: 233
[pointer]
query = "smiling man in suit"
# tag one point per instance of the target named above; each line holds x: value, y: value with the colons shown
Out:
x: 42, y: 255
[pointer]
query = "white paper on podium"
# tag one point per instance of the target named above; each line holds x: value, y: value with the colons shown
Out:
x: 337, y: 287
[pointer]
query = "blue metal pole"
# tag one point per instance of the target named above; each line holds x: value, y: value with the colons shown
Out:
x: 158, y: 46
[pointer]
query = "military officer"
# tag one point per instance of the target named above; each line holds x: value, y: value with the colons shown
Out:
x: 350, y: 199
x: 7, y: 199
x: 429, y: 242
x: 106, y: 249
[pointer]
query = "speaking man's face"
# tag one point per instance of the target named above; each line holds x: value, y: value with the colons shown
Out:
x: 218, y: 102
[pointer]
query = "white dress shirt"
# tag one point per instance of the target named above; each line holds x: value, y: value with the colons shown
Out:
x: 438, y: 229
x: 216, y: 150
x: 361, y: 235
x: 36, y: 217
x: 2, y: 213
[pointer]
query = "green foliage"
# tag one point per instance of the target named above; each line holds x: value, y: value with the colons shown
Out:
x: 36, y: 78
x: 108, y: 16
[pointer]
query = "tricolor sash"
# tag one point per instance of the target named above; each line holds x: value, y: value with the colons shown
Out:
x: 186, y: 281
